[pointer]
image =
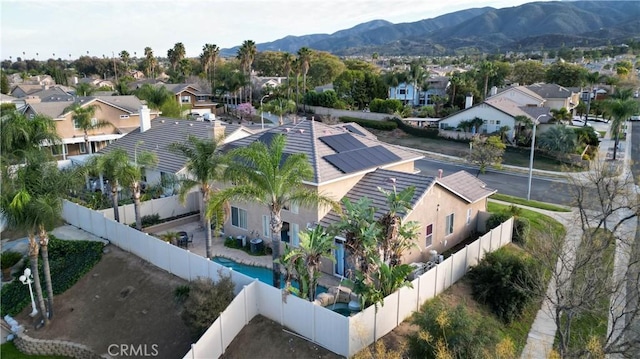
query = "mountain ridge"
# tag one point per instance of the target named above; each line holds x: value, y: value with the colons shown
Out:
x: 529, y: 26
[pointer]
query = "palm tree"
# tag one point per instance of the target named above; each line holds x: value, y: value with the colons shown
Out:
x: 304, y: 55
x: 155, y: 96
x: 246, y: 55
x: 176, y: 54
x: 20, y: 135
x: 84, y: 89
x: 205, y: 166
x: 455, y: 81
x: 591, y: 78
x: 265, y: 174
x: 209, y: 56
x: 150, y: 62
x: 84, y: 120
x: 287, y: 64
x: 307, y: 257
x: 487, y: 70
x: 561, y: 115
x: 396, y: 235
x: 559, y: 139
x: 620, y: 110
x: 279, y: 107
x: 124, y: 56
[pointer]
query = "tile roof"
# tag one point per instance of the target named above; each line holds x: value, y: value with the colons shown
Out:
x: 550, y: 90
x: 56, y: 109
x: 535, y: 112
x: 368, y: 187
x: 507, y: 106
x: 522, y: 89
x: 356, y: 129
x: 466, y: 186
x: 304, y: 137
x: 177, y: 88
x: 162, y: 133
x: 49, y: 109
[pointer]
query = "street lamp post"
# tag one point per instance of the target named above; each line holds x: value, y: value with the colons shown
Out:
x: 533, y: 146
x: 261, y: 111
x: 27, y: 279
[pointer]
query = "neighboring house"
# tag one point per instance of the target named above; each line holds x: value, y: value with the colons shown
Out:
x: 556, y: 96
x: 414, y: 96
x: 134, y: 85
x: 156, y: 135
x: 445, y: 209
x: 537, y: 95
x: 496, y: 112
x: 18, y: 102
x: 95, y: 82
x: 262, y: 83
x: 191, y: 96
x: 44, y: 92
x: 123, y: 112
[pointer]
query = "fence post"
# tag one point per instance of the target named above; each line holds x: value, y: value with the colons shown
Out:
x: 221, y: 333
x: 451, y: 270
x: 246, y: 315
x: 418, y: 293
x: 466, y: 258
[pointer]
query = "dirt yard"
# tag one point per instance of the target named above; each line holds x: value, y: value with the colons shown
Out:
x: 122, y: 300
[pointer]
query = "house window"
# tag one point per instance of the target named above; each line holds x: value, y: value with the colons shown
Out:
x: 266, y: 226
x: 83, y: 148
x: 295, y: 208
x: 497, y: 122
x: 76, y: 125
x: 238, y: 217
x: 491, y: 122
x: 402, y: 91
x: 31, y: 116
x: 124, y: 117
x: 429, y: 236
x: 94, y: 121
x: 449, y: 225
x: 468, y: 216
x: 185, y: 99
x: 57, y: 150
x: 295, y: 229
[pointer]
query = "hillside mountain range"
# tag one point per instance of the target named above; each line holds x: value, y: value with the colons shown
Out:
x: 530, y: 26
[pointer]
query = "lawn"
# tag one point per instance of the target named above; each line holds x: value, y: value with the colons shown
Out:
x: 513, y: 156
x: 524, y: 202
x: 9, y: 351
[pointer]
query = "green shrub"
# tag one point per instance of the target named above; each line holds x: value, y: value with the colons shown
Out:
x: 496, y: 219
x: 181, y: 293
x: 416, y: 131
x: 453, y: 329
x: 521, y: 231
x: 9, y: 259
x: 505, y: 282
x: 150, y: 220
x: 388, y: 106
x: 377, y: 125
x: 68, y: 260
x: 204, y: 303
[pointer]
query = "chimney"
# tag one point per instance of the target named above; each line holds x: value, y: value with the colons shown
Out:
x: 75, y: 80
x: 469, y: 101
x: 440, y: 171
x: 32, y: 99
x: 145, y: 118
x: 493, y: 91
x: 217, y: 130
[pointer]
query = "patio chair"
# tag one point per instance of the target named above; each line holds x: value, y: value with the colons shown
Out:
x: 183, y: 239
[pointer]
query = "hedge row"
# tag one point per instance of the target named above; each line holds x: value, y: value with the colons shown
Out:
x: 415, y: 131
x: 377, y: 125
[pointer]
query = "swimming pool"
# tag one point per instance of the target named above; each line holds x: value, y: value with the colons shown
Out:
x: 263, y: 274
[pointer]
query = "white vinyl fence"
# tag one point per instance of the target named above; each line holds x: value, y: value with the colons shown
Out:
x: 165, y: 207
x: 342, y: 335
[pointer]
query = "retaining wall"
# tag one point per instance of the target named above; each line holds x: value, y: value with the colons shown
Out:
x: 33, y: 346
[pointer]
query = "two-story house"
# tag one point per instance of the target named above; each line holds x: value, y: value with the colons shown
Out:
x: 121, y: 111
x: 192, y: 97
x: 411, y: 95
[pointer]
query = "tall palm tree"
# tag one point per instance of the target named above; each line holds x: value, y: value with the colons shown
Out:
x: 205, y: 165
x: 304, y: 54
x: 287, y: 64
x: 455, y: 81
x: 20, y: 135
x: 306, y: 259
x: 487, y: 70
x: 620, y: 110
x: 84, y: 120
x: 176, y: 54
x: 209, y: 56
x: 84, y: 89
x: 155, y: 96
x: 265, y: 174
x: 246, y: 55
x: 125, y: 57
x: 150, y: 62
x: 591, y: 78
x: 279, y: 107
x: 396, y: 235
x: 561, y: 115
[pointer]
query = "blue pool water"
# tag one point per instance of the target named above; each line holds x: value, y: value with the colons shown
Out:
x: 264, y: 275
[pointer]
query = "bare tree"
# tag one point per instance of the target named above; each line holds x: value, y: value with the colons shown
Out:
x: 594, y: 270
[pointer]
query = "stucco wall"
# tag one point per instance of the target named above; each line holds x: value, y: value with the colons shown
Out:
x: 484, y: 112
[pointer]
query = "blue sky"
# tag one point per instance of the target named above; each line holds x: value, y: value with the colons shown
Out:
x: 106, y: 27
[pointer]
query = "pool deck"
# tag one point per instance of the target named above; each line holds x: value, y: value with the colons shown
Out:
x: 219, y: 250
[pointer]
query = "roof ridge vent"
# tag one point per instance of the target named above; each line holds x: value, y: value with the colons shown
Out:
x: 301, y: 130
x: 175, y: 123
x: 286, y: 130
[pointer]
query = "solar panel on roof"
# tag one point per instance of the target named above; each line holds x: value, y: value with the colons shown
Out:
x: 351, y: 128
x: 342, y: 142
x: 362, y: 158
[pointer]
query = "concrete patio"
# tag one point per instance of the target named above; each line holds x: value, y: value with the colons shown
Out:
x: 218, y: 249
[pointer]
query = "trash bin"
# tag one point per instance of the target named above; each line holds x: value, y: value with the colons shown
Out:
x: 240, y: 241
x: 256, y: 245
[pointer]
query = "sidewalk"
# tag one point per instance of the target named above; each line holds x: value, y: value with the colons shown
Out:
x: 543, y: 330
